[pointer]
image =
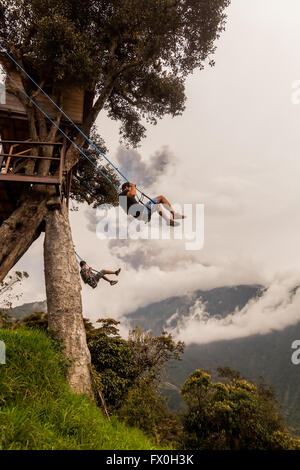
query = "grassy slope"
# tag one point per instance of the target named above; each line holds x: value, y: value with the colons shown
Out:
x: 38, y: 410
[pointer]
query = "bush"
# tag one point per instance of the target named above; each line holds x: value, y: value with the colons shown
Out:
x: 146, y: 409
x: 232, y: 416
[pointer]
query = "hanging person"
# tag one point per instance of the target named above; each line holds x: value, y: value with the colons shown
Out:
x: 136, y: 209
x: 92, y: 279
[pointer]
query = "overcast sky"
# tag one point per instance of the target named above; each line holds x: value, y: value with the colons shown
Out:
x: 235, y: 150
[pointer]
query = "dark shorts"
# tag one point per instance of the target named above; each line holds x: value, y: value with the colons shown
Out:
x: 95, y: 278
x: 149, y: 208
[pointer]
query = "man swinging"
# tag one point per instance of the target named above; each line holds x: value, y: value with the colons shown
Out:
x: 144, y: 212
x: 92, y: 279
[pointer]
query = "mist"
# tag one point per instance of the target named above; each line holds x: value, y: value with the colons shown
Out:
x: 276, y: 309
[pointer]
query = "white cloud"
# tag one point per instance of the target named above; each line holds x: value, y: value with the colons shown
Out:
x: 236, y: 150
x: 144, y: 173
x: 276, y: 309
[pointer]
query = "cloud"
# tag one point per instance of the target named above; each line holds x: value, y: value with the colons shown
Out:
x: 139, y: 288
x: 144, y: 254
x: 276, y: 309
x: 144, y: 173
x: 237, y: 153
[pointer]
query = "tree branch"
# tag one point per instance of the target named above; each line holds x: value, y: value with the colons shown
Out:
x: 37, y: 92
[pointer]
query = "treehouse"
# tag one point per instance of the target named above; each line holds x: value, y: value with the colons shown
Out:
x: 20, y: 158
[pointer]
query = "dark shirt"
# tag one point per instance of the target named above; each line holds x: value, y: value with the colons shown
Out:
x: 88, y: 278
x: 127, y: 202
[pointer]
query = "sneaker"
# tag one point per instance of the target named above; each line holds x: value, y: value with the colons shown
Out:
x: 113, y: 283
x: 173, y: 223
x: 118, y: 272
x: 178, y: 216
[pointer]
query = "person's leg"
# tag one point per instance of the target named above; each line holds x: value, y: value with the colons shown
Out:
x: 156, y: 206
x: 113, y: 272
x: 164, y: 200
x: 103, y: 273
x: 167, y: 204
x: 166, y: 218
x: 112, y: 283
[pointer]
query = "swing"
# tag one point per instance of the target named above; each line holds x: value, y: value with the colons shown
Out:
x: 67, y: 137
x: 80, y: 260
x: 141, y: 201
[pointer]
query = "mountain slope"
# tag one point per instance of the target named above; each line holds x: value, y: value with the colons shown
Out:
x: 219, y: 302
x: 267, y: 356
x: 18, y: 313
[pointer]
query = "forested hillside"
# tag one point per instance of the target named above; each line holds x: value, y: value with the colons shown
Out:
x: 267, y: 355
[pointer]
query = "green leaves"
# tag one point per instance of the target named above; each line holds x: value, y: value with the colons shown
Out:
x: 89, y: 185
x: 133, y: 54
x: 113, y: 360
x: 236, y: 415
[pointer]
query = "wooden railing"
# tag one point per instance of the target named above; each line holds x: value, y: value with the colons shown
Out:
x: 12, y: 163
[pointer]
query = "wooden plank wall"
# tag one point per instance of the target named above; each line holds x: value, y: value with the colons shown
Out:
x: 73, y: 101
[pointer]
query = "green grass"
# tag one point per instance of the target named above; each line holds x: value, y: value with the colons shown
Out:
x: 38, y: 409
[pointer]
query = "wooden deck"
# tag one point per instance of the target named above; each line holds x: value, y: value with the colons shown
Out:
x: 32, y: 179
x: 13, y: 176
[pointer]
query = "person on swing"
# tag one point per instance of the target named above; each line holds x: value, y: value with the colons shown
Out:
x: 92, y: 279
x: 132, y: 206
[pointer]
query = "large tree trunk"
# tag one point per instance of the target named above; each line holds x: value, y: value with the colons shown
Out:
x: 64, y: 299
x: 19, y: 231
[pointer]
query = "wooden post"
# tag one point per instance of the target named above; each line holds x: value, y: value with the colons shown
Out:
x: 62, y: 161
x: 70, y: 174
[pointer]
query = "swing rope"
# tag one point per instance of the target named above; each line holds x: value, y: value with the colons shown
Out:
x: 73, y: 123
x: 60, y: 130
x: 142, y: 194
x: 81, y: 259
x: 63, y: 113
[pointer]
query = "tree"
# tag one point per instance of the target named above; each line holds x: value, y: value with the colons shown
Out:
x: 151, y: 353
x: 131, y: 58
x: 7, y: 295
x: 237, y: 415
x: 7, y: 286
x: 144, y: 405
x: 112, y: 360
x: 146, y: 409
x: 131, y: 373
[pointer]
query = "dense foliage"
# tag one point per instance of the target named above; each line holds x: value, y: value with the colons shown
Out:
x: 115, y: 364
x: 89, y: 185
x: 133, y: 53
x: 131, y: 372
x: 230, y: 414
x: 234, y: 415
x: 146, y: 409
